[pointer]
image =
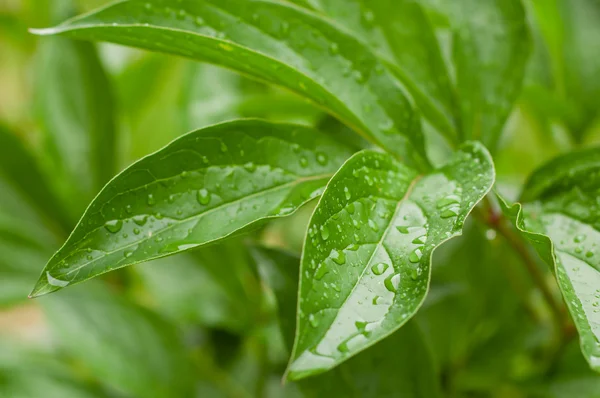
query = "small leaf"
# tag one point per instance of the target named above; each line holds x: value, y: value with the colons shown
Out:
x: 201, y: 188
x: 75, y: 108
x: 560, y: 217
x: 367, y: 256
x: 274, y: 42
x: 400, y: 365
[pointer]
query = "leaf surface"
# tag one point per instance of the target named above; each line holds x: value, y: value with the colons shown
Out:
x: 560, y: 217
x: 201, y: 188
x: 367, y: 256
x: 277, y: 43
x: 486, y: 45
x: 75, y: 109
x: 107, y: 334
x: 400, y: 32
x: 400, y: 365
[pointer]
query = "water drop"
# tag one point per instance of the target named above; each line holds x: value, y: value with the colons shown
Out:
x: 589, y: 254
x: 351, y: 208
x: 113, y: 226
x: 343, y: 347
x: 373, y: 225
x: 375, y: 299
x: 198, y: 21
x: 420, y: 240
x: 579, y: 238
x: 338, y: 257
x: 312, y: 319
x: 140, y: 219
x: 203, y: 196
x: 250, y: 167
x: 347, y: 193
x: 334, y: 49
x: 447, y: 201
x: 416, y: 255
x: 361, y: 325
x: 223, y: 147
x: 402, y: 229
x: 127, y: 253
x: 322, y: 158
x: 321, y: 271
x: 324, y: 232
x: 379, y: 268
x: 52, y: 281
x: 303, y: 161
x: 448, y: 213
x: 136, y: 231
x: 392, y: 283
x: 151, y: 201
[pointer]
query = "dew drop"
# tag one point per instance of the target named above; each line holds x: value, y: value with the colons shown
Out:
x: 448, y: 213
x: 52, y: 281
x: 322, y: 158
x: 250, y: 167
x: 223, y: 147
x: 343, y: 347
x: 203, y: 196
x: 416, y: 255
x: 151, y: 201
x: 392, y: 283
x: 324, y: 232
x: 402, y: 229
x: 321, y: 271
x: 140, y: 219
x: 589, y: 254
x: 351, y: 208
x: 579, y: 238
x: 127, y: 253
x: 420, y: 240
x: 347, y: 193
x: 303, y: 161
x: 373, y: 225
x: 113, y: 226
x: 379, y: 268
x: 447, y: 201
x: 312, y: 319
x: 334, y: 49
x: 338, y: 257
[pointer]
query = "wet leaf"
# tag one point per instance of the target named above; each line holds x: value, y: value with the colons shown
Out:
x: 400, y: 365
x: 367, y: 257
x: 559, y: 215
x: 277, y: 43
x: 201, y: 188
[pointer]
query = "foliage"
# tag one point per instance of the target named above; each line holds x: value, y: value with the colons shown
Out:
x: 336, y: 148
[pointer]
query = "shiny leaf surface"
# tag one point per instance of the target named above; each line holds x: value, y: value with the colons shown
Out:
x: 367, y: 257
x: 274, y: 42
x: 400, y: 32
x: 560, y: 217
x: 486, y: 45
x: 401, y: 365
x: 202, y: 187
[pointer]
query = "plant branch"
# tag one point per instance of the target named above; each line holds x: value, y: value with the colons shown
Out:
x: 500, y: 224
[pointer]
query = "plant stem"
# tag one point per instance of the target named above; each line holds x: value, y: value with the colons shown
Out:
x: 501, y: 225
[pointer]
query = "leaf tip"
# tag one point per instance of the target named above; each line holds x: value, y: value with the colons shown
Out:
x: 42, y: 31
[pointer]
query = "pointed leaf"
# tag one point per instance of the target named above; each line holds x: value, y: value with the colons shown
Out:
x: 275, y: 42
x: 560, y: 217
x: 75, y: 109
x: 202, y: 187
x: 367, y: 257
x: 400, y: 31
x: 487, y: 44
x: 400, y: 365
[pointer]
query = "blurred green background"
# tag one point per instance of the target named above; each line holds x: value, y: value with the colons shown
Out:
x: 204, y: 323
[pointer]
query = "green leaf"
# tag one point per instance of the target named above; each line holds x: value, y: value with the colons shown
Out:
x: 195, y: 288
x: 75, y: 108
x: 20, y: 169
x: 127, y: 347
x: 400, y: 365
x: 277, y: 43
x: 560, y: 217
x: 400, y: 31
x: 486, y: 44
x: 201, y: 188
x: 367, y: 257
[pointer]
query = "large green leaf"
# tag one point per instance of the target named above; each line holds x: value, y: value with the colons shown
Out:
x: 75, y: 109
x: 202, y: 187
x: 127, y: 347
x: 486, y: 44
x: 367, y: 257
x: 401, y: 32
x: 560, y: 217
x: 275, y: 42
x: 399, y: 366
